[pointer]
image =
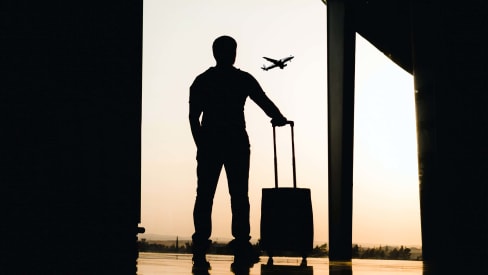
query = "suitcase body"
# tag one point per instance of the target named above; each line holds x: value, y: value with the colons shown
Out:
x: 286, y: 221
x: 286, y: 217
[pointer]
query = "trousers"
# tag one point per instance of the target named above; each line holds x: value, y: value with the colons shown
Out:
x: 231, y: 150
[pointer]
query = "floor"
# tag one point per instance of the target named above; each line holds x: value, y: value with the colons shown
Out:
x: 178, y: 264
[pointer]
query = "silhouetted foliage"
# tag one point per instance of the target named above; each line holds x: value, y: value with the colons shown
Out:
x: 402, y: 253
x: 215, y: 247
x: 355, y: 251
x: 358, y: 252
x: 320, y: 251
x: 145, y: 246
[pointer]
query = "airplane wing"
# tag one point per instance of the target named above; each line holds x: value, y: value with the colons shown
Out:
x: 271, y: 60
x: 283, y: 60
x: 269, y: 67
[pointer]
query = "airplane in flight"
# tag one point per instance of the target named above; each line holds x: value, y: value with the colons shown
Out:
x: 277, y: 63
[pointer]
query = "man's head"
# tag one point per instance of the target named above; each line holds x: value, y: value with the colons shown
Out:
x: 224, y: 50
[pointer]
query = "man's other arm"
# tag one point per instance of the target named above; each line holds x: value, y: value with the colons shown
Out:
x: 196, y: 110
x: 262, y: 100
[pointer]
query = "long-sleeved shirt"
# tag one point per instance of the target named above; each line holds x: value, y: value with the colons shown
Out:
x: 220, y: 94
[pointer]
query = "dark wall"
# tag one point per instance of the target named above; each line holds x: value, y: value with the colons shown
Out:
x: 451, y: 92
x: 70, y: 106
x: 444, y: 44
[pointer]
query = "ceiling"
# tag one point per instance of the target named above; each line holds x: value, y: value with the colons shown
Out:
x: 386, y: 24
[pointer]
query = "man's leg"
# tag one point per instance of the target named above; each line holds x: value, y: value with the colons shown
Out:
x: 208, y: 171
x: 237, y: 169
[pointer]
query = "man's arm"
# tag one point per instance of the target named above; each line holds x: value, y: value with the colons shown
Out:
x: 195, y: 125
x: 262, y: 100
x: 194, y: 114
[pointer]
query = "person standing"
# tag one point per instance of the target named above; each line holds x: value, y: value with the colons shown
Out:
x: 218, y: 127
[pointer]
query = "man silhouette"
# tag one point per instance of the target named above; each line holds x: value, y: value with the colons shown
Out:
x: 219, y: 95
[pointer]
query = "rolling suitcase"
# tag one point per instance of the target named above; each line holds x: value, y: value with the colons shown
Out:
x: 286, y: 215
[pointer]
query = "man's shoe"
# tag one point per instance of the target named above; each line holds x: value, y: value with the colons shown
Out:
x: 199, y: 250
x: 200, y: 265
x: 245, y: 255
x: 245, y: 260
x: 240, y: 268
x: 254, y: 256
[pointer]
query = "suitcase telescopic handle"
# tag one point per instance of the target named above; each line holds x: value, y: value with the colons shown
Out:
x: 292, y: 124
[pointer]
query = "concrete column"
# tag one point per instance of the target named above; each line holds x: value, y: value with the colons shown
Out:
x: 450, y: 72
x: 341, y: 39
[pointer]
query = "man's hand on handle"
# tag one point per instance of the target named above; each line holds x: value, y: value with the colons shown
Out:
x: 282, y: 121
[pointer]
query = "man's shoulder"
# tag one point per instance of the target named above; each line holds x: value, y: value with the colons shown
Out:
x: 206, y: 73
x: 245, y: 75
x: 213, y: 73
x: 203, y: 76
x: 238, y: 70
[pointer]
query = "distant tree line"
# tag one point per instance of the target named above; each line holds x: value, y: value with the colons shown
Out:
x: 217, y: 248
x: 402, y: 253
x: 145, y: 246
x: 358, y: 252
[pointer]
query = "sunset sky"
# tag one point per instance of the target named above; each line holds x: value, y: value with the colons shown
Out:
x: 177, y: 47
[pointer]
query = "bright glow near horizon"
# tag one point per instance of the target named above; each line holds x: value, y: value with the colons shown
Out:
x: 177, y: 47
